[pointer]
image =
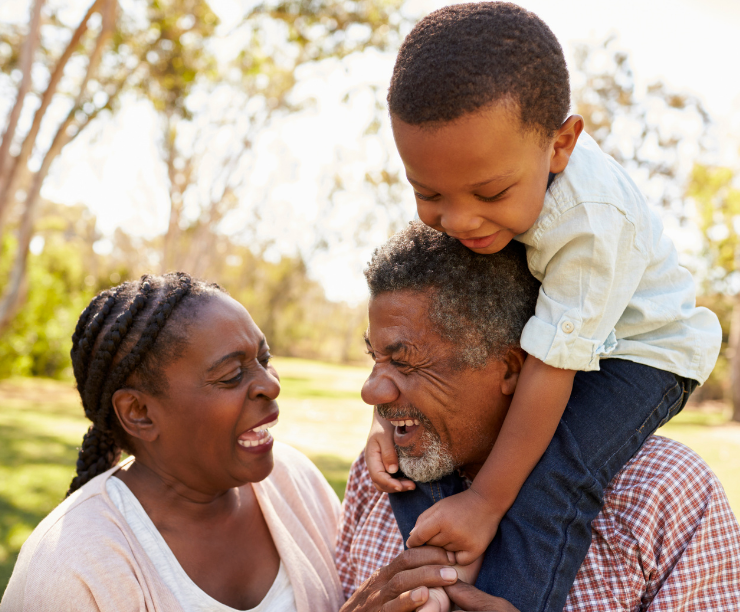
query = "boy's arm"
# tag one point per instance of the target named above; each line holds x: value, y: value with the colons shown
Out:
x: 381, y: 458
x: 467, y: 522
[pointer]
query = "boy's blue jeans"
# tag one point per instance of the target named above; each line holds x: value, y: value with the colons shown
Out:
x: 544, y: 537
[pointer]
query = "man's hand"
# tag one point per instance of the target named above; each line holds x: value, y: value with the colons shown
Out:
x: 470, y: 599
x: 382, y: 460
x: 463, y: 523
x: 403, y: 585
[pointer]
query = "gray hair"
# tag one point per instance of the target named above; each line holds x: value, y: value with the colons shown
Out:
x: 479, y: 302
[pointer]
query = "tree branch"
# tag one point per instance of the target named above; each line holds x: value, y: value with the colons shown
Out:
x: 26, y: 63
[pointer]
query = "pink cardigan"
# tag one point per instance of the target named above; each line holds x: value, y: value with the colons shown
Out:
x: 84, y: 555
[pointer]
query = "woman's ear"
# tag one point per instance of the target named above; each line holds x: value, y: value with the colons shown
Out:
x: 514, y: 361
x: 564, y: 143
x: 134, y: 415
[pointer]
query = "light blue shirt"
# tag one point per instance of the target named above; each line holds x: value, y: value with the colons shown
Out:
x: 611, y: 282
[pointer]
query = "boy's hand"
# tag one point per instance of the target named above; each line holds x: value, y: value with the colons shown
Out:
x: 382, y: 460
x: 463, y: 523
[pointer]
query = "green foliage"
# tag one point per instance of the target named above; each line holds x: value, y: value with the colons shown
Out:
x: 718, y: 207
x: 37, y: 342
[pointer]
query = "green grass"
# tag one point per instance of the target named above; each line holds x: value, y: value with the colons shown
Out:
x: 41, y: 424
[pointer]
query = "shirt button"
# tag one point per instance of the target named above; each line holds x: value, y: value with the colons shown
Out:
x: 567, y: 327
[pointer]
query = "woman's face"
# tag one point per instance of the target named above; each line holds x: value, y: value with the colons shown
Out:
x: 211, y: 424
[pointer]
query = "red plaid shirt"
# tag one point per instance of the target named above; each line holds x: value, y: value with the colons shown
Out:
x: 665, y: 539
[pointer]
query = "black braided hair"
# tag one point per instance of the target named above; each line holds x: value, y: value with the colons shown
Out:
x: 124, y: 330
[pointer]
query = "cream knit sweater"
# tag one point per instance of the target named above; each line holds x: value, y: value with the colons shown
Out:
x: 84, y: 556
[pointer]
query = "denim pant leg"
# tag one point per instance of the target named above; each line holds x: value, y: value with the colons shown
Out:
x: 544, y: 537
x: 407, y: 506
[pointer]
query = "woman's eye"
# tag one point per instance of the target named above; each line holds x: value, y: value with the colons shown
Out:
x: 234, y: 379
x: 371, y: 353
x: 265, y: 359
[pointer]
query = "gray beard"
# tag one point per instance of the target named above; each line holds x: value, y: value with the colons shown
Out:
x: 435, y: 462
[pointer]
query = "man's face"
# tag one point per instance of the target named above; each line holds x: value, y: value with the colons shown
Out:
x: 417, y: 378
x: 480, y: 179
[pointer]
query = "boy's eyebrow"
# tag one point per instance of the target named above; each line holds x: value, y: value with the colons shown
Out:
x: 497, y: 177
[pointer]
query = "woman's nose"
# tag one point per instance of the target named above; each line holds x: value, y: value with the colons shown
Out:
x: 265, y: 385
x: 379, y: 389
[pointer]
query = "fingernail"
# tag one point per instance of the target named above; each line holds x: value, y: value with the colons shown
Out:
x: 450, y: 556
x: 417, y: 595
x: 448, y: 574
x: 392, y: 468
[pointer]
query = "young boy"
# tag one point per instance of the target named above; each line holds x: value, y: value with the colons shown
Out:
x: 479, y: 104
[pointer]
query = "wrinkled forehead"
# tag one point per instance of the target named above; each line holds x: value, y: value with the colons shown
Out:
x: 402, y: 319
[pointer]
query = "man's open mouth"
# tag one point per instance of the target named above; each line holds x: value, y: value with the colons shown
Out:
x: 404, y: 429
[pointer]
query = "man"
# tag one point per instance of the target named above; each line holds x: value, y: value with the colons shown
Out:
x: 444, y: 330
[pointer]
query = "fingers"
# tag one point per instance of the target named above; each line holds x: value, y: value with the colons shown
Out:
x: 429, y: 576
x: 425, y: 529
x: 388, y: 454
x: 466, y: 557
x: 419, y: 557
x: 467, y: 597
x: 408, y: 601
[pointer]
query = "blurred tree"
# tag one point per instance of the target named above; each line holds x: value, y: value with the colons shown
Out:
x: 205, y: 149
x: 717, y: 199
x: 656, y: 134
x: 155, y: 47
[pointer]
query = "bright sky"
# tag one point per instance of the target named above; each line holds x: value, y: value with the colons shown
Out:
x: 689, y: 44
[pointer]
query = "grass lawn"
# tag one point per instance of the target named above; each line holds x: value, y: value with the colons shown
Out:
x: 41, y: 424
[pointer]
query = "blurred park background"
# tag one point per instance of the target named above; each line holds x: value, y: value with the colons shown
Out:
x: 248, y: 143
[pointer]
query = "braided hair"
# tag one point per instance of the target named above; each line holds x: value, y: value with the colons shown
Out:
x: 129, y: 329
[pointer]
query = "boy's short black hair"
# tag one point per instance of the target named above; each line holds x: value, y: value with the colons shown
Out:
x: 465, y: 57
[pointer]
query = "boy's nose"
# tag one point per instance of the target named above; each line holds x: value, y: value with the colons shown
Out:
x: 379, y: 389
x: 458, y: 220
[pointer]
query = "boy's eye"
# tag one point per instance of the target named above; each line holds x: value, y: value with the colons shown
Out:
x: 498, y: 196
x: 423, y: 197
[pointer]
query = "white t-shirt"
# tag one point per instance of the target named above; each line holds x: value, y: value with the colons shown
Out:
x: 192, y: 599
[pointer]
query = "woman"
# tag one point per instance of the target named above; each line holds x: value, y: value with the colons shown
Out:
x: 207, y: 513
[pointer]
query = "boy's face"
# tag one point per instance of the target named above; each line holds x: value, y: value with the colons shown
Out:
x: 481, y: 178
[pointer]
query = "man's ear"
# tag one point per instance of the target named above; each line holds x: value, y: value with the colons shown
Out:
x: 134, y: 415
x: 514, y: 361
x: 565, y: 141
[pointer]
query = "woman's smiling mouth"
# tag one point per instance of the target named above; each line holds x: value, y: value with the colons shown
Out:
x: 258, y: 439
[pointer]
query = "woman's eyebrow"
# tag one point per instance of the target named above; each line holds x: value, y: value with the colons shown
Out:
x: 227, y: 358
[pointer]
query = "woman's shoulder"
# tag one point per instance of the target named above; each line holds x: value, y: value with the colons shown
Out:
x: 82, y: 533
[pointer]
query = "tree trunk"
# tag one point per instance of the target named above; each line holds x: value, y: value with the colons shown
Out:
x: 25, y: 64
x: 17, y: 170
x: 734, y: 351
x: 13, y: 293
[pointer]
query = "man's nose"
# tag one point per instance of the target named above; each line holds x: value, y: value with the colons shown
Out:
x: 379, y: 389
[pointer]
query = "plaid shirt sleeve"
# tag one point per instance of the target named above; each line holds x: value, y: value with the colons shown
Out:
x: 665, y: 541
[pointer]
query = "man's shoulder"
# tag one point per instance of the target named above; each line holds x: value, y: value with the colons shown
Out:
x: 663, y: 467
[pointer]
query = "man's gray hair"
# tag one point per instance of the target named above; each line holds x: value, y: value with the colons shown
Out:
x: 479, y: 302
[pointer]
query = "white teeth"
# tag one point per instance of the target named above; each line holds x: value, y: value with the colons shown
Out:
x: 264, y: 439
x: 265, y: 426
x: 405, y: 422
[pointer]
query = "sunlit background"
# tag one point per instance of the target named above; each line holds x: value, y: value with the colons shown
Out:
x: 249, y: 143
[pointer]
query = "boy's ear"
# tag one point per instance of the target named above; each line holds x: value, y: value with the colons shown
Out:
x: 514, y: 361
x: 134, y: 414
x: 564, y: 143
